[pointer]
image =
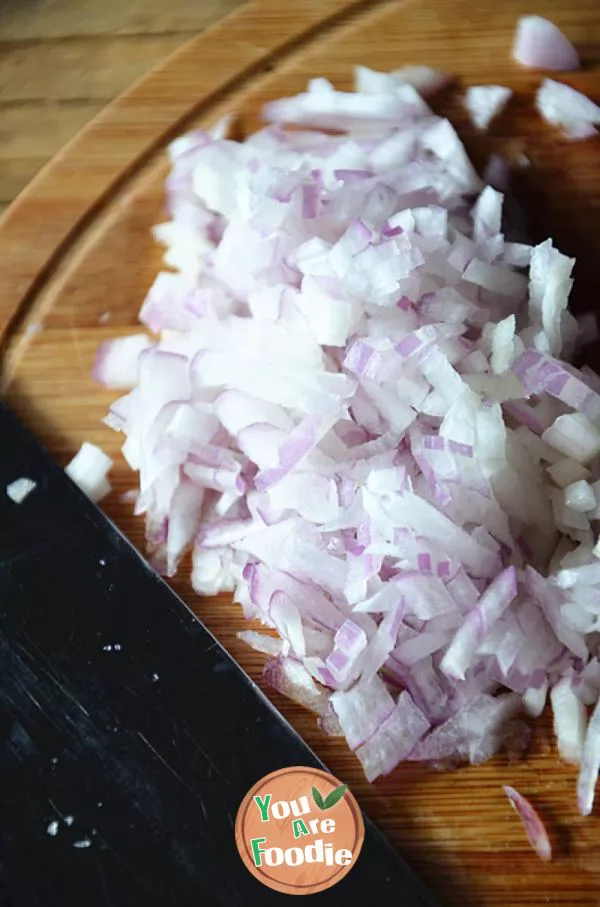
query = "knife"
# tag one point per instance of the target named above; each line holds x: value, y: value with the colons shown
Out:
x: 128, y: 735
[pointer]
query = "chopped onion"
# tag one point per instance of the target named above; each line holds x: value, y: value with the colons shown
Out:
x: 291, y: 678
x: 533, y: 825
x: 394, y: 739
x: 89, y: 470
x: 356, y: 410
x: 484, y: 102
x: 570, y: 110
x: 539, y: 44
x: 590, y: 764
x: 479, y: 621
x: 570, y: 720
x: 579, y: 496
x: 18, y: 490
x: 567, y: 472
x: 423, y: 78
x: 261, y: 642
x: 574, y: 436
x: 534, y: 699
x: 116, y: 364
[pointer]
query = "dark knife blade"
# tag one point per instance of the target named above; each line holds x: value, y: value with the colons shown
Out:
x: 128, y: 736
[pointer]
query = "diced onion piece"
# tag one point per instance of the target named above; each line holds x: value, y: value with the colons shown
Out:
x: 369, y: 81
x: 491, y: 605
x: 570, y: 720
x: 503, y: 345
x: 579, y: 496
x: 534, y: 699
x: 394, y: 739
x: 116, y: 364
x: 291, y: 678
x: 574, y: 436
x: 539, y: 44
x: 585, y: 575
x: 484, y: 102
x: 533, y: 825
x: 590, y: 764
x: 570, y: 110
x: 567, y: 471
x: 322, y: 105
x: 425, y: 79
x: 18, y: 490
x: 89, y: 470
x: 362, y: 710
x: 261, y: 642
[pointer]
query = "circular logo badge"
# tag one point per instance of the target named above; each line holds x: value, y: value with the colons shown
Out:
x: 299, y: 830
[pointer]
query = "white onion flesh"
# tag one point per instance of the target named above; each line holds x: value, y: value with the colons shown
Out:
x: 89, y: 470
x: 485, y: 102
x: 539, y: 44
x: 355, y: 414
x: 570, y: 110
x: 18, y: 490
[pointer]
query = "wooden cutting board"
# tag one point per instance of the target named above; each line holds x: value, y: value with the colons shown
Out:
x: 77, y: 259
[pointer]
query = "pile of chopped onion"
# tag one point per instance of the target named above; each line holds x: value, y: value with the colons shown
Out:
x: 359, y: 413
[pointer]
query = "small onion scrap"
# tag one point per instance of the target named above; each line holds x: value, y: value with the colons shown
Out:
x: 18, y: 490
x: 355, y: 405
x: 533, y: 825
x: 89, y: 470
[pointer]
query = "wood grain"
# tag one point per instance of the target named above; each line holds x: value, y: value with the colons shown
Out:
x: 60, y: 20
x: 96, y: 203
x: 64, y: 60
